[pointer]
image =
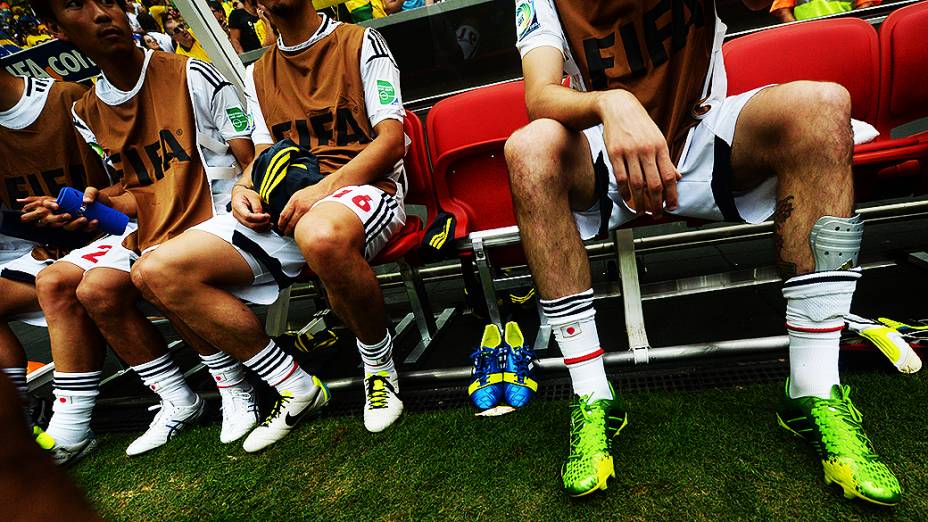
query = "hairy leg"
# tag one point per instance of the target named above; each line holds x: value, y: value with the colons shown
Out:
x: 550, y: 173
x: 331, y: 238
x: 184, y: 279
x: 110, y: 299
x: 801, y: 133
x: 18, y: 298
x: 76, y: 343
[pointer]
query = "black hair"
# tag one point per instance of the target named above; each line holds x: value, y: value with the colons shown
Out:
x: 43, y: 9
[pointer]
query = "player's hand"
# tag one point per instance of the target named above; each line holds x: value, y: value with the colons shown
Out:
x: 644, y: 172
x: 67, y: 221
x: 35, y: 211
x: 299, y: 204
x: 248, y: 210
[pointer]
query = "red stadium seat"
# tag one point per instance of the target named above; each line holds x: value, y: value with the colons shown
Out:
x: 853, y: 59
x: 420, y: 192
x: 844, y: 51
x: 903, y: 94
x: 466, y: 134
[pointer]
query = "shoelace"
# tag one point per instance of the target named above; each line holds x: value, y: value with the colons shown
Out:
x: 849, y: 433
x: 237, y: 399
x: 482, y: 357
x: 377, y: 397
x: 521, y: 358
x: 278, y: 409
x: 581, y: 416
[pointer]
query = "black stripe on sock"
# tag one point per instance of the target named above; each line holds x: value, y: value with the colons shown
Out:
x: 832, y: 278
x: 572, y: 311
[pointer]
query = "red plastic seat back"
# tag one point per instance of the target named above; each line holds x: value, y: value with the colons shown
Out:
x: 416, y: 163
x: 844, y: 51
x: 904, y: 48
x: 466, y: 135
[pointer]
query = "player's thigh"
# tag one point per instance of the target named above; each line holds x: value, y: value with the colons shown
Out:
x: 329, y: 227
x: 760, y: 133
x: 17, y: 297
x: 199, y: 256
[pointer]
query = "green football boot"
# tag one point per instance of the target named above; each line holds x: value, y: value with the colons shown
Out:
x: 593, y: 425
x: 833, y: 428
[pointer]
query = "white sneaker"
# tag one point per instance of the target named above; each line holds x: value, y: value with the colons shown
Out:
x: 239, y: 412
x: 381, y: 405
x: 68, y: 455
x: 167, y: 422
x: 288, y: 411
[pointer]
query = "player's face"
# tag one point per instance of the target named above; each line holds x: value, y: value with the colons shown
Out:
x: 282, y: 8
x: 97, y: 27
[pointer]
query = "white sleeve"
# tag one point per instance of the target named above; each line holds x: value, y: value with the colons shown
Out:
x: 84, y: 130
x: 219, y: 110
x: 537, y: 25
x: 260, y: 135
x: 381, y: 79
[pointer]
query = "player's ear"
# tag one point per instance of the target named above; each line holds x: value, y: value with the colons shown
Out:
x: 56, y: 31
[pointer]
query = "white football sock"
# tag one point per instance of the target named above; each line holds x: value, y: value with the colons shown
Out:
x: 379, y: 357
x: 815, y: 308
x: 226, y: 371
x: 163, y: 377
x: 573, y: 320
x: 75, y: 397
x: 278, y: 369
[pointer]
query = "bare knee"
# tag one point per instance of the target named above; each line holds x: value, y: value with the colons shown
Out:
x: 56, y: 288
x: 325, y: 245
x: 104, y: 296
x: 813, y: 111
x: 535, y: 154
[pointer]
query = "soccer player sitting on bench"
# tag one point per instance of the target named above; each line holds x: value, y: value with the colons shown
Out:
x: 334, y: 89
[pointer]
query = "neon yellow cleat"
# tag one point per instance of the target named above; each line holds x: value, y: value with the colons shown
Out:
x: 43, y: 439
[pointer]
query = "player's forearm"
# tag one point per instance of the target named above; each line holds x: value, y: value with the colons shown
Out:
x: 373, y: 164
x: 573, y: 109
x: 117, y: 197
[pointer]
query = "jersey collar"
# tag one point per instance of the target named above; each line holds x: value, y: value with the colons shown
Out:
x: 110, y: 95
x: 29, y: 106
x: 325, y: 29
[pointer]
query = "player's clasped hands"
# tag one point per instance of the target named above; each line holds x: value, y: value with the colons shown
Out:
x: 644, y: 172
x: 44, y: 211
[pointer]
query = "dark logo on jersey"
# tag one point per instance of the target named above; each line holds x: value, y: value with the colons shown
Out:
x: 151, y: 162
x: 676, y: 30
x: 47, y: 183
x: 323, y: 130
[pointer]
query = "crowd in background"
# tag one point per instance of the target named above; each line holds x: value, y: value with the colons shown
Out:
x: 158, y: 24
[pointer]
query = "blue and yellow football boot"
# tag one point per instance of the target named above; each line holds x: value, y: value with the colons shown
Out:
x: 519, y: 386
x: 486, y: 388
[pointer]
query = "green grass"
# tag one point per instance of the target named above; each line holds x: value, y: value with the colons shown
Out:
x: 707, y: 455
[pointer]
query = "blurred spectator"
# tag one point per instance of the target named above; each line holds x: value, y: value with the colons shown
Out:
x: 187, y: 45
x: 219, y: 13
x: 150, y: 43
x: 132, y: 11
x: 395, y: 6
x: 243, y: 25
x: 35, y: 34
x: 147, y: 22
x: 164, y: 42
x: 792, y: 10
x: 7, y: 45
x: 362, y: 10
